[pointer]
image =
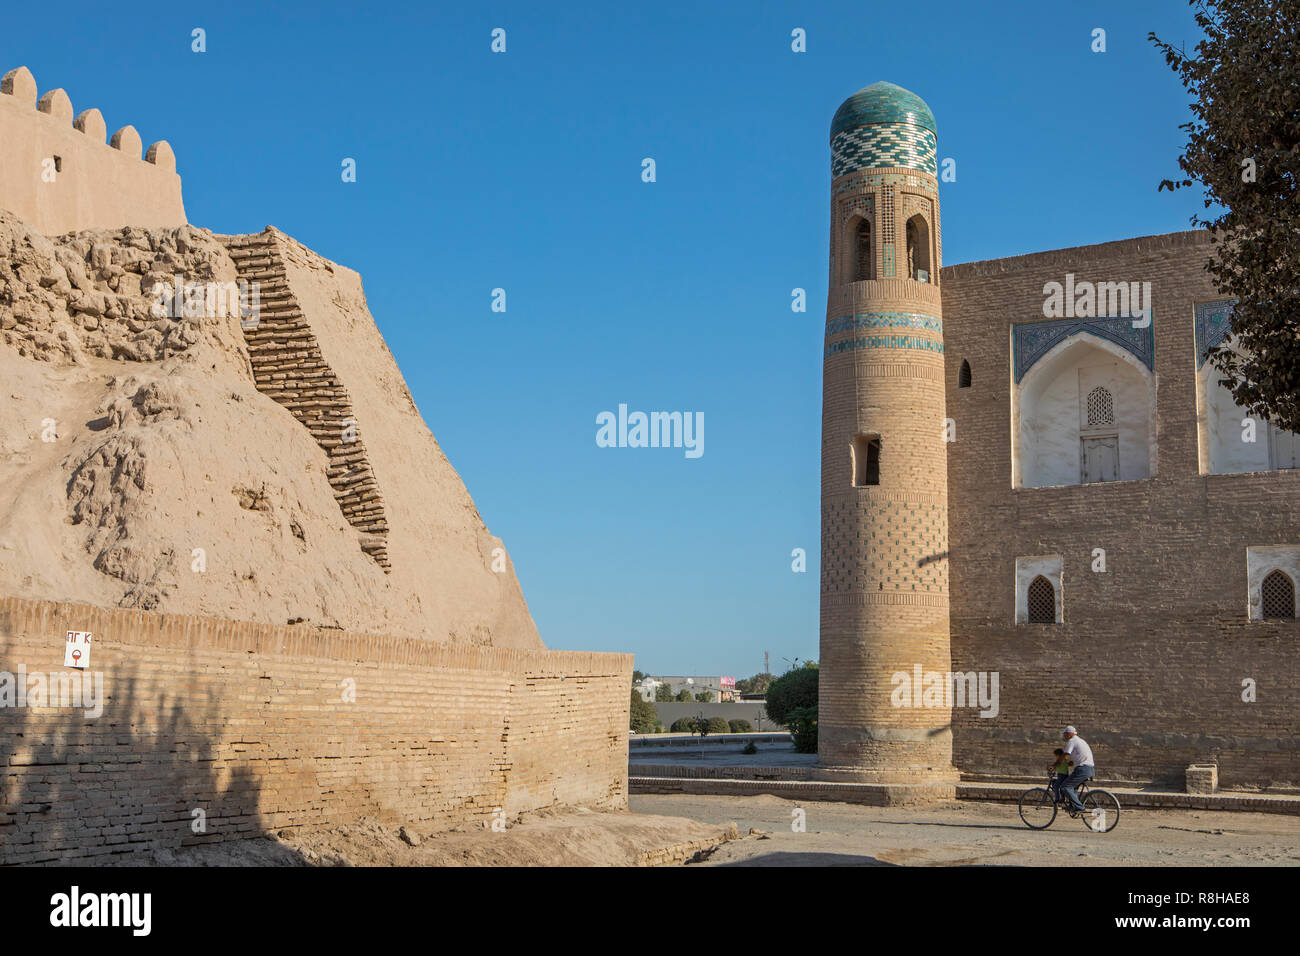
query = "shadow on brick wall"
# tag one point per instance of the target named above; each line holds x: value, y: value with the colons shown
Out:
x: 145, y: 775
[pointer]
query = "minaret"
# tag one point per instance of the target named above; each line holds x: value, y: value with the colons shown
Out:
x: 884, y: 566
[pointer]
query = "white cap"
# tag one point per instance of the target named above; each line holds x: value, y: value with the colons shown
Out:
x: 1071, y: 730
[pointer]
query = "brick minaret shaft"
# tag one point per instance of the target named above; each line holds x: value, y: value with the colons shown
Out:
x: 884, y: 569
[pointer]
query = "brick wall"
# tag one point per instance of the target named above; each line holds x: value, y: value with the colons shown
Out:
x: 1150, y: 659
x: 248, y: 723
x: 884, y: 587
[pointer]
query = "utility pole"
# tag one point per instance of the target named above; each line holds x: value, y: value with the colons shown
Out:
x: 767, y: 662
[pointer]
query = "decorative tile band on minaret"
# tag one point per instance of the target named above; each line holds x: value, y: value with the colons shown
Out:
x: 884, y: 586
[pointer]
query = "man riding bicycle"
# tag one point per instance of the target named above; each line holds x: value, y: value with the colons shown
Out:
x: 1080, y: 754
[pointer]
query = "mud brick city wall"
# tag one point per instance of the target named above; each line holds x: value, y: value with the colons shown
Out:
x: 1150, y: 659
x: 248, y: 723
x: 59, y: 174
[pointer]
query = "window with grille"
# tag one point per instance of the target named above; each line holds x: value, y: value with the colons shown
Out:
x: 1042, y: 601
x: 1278, y: 595
x: 963, y: 376
x: 1101, y: 407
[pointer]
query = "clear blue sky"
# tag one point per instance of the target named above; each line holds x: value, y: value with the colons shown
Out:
x: 523, y: 171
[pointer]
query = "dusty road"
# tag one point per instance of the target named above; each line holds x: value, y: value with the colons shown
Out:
x: 979, y: 833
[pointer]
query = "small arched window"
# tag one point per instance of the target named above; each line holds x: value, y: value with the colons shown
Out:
x: 1101, y: 407
x: 963, y: 375
x: 865, y: 259
x: 918, y: 249
x: 1277, y: 596
x: 1042, y: 601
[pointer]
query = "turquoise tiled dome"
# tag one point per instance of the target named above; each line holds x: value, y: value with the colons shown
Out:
x: 882, y: 103
x: 883, y: 126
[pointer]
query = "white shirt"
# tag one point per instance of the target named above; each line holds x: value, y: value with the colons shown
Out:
x: 1077, y: 749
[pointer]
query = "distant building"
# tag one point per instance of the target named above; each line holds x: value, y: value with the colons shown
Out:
x: 722, y: 689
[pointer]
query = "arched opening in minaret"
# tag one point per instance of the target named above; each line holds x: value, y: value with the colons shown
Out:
x: 918, y: 249
x: 864, y: 256
x: 963, y: 375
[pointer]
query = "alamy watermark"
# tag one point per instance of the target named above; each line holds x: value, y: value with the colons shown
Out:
x: 922, y: 688
x: 179, y: 299
x: 55, y: 689
x: 653, y: 430
x: 1087, y: 300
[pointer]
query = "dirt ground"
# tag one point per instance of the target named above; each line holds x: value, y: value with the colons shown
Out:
x: 676, y: 829
x: 976, y: 833
x: 568, y: 837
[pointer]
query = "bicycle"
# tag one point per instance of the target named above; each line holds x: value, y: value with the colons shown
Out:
x: 1038, y: 806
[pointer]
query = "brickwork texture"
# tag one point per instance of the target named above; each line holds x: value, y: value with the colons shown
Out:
x: 249, y: 728
x: 884, y: 576
x: 1154, y: 655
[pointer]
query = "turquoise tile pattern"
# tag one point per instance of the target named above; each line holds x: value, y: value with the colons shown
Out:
x: 883, y: 125
x: 879, y: 320
x: 882, y: 103
x: 883, y: 342
x: 1032, y: 340
x: 1213, y: 323
x: 892, y: 145
x: 875, y: 180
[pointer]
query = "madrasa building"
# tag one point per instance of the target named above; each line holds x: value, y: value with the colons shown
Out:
x: 1031, y: 477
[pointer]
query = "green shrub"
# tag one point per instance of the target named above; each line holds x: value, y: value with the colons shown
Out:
x: 750, y: 748
x: 684, y: 725
x: 802, y: 722
x: 793, y: 689
x: 719, y: 725
x: 741, y: 726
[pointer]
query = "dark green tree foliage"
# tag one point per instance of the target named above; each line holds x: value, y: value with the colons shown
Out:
x: 802, y: 722
x: 753, y: 685
x: 741, y: 726
x: 719, y: 725
x: 1243, y: 147
x: 683, y: 725
x: 643, y: 715
x: 795, y: 688
x: 663, y: 694
x: 703, y: 697
x: 684, y: 696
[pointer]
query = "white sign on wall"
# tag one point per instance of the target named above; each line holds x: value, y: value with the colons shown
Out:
x: 77, y: 651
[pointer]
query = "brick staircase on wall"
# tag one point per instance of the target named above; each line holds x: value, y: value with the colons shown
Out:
x: 288, y: 366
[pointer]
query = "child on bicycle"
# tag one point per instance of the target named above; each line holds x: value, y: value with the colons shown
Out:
x: 1062, y: 770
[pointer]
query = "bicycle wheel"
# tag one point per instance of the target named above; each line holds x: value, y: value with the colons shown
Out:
x: 1101, y: 811
x: 1037, y: 808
